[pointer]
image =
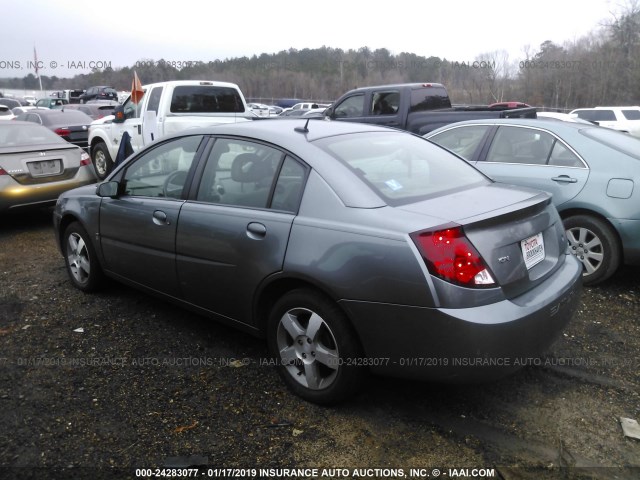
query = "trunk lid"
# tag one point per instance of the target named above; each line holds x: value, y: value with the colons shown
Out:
x: 42, y: 165
x: 517, y: 231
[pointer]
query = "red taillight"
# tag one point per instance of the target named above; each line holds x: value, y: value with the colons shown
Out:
x: 85, y: 160
x: 451, y: 256
x: 3, y: 171
x: 62, y: 131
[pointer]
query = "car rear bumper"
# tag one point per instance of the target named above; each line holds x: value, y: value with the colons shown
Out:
x: 471, y: 344
x: 14, y: 195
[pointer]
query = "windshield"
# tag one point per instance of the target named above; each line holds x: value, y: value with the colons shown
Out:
x: 402, y: 168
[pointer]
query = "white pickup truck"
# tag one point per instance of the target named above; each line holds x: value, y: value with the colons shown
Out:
x: 165, y: 108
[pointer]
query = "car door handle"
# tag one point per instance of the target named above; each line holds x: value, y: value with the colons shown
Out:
x: 565, y: 179
x: 256, y: 230
x: 160, y: 218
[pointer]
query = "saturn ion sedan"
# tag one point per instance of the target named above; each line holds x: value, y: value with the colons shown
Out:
x: 351, y: 248
x: 36, y: 166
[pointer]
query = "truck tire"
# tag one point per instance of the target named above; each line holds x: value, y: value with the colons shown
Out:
x: 101, y: 160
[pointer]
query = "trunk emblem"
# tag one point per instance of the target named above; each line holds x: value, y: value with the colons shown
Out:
x: 504, y: 259
x: 42, y: 154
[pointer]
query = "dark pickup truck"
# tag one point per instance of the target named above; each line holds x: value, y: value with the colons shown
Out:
x: 416, y: 107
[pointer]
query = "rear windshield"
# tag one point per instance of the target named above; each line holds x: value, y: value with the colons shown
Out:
x: 206, y: 99
x: 402, y: 168
x: 623, y: 142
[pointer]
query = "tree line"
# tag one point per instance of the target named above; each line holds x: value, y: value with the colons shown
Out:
x: 603, y: 67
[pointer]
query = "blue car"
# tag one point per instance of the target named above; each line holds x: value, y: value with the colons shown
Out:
x: 590, y: 171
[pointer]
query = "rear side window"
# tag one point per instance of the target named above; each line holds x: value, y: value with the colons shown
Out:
x: 462, y: 140
x: 385, y: 103
x: 429, y: 98
x: 206, y: 99
x: 401, y: 168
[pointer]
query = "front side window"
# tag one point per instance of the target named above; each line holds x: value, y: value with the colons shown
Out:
x: 597, y: 115
x: 352, y: 106
x: 162, y: 171
x: 631, y: 114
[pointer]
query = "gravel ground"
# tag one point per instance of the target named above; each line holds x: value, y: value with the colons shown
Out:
x: 97, y: 386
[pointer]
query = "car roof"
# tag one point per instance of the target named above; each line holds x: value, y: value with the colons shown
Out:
x: 525, y: 122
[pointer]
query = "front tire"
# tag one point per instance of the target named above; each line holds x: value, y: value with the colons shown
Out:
x: 80, y: 258
x: 596, y: 245
x: 102, y: 161
x: 315, y: 348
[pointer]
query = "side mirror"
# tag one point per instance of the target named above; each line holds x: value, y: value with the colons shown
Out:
x: 119, y: 114
x: 329, y: 113
x: 108, y: 189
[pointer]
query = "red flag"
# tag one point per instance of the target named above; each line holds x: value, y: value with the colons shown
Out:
x: 136, y: 89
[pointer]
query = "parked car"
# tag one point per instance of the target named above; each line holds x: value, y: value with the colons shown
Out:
x: 10, y: 102
x: 51, y: 102
x: 565, y: 117
x: 30, y: 99
x: 259, y: 109
x: 624, y: 119
x: 36, y: 166
x: 18, y: 110
x: 6, y: 113
x: 592, y: 173
x: 349, y: 247
x: 275, y: 110
x: 99, y: 93
x: 71, y: 125
x: 93, y: 110
x: 416, y: 107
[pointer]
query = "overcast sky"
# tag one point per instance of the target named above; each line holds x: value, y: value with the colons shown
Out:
x: 70, y: 34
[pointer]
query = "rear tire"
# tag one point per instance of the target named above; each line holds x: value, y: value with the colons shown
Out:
x: 102, y: 161
x: 80, y: 259
x: 596, y: 245
x: 315, y: 348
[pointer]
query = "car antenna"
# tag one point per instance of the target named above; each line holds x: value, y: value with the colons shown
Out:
x: 303, y: 129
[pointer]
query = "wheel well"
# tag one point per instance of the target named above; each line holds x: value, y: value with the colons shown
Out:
x: 96, y: 141
x: 64, y: 223
x: 589, y: 213
x: 274, y: 291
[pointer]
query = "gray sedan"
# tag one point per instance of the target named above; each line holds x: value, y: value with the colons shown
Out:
x: 351, y: 248
x: 592, y: 173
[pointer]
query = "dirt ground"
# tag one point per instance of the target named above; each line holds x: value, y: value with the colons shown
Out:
x: 104, y: 385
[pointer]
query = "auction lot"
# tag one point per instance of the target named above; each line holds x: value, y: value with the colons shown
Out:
x: 101, y: 385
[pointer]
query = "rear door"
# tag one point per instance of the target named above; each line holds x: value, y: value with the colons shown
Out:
x: 138, y: 228
x: 233, y: 232
x: 534, y: 158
